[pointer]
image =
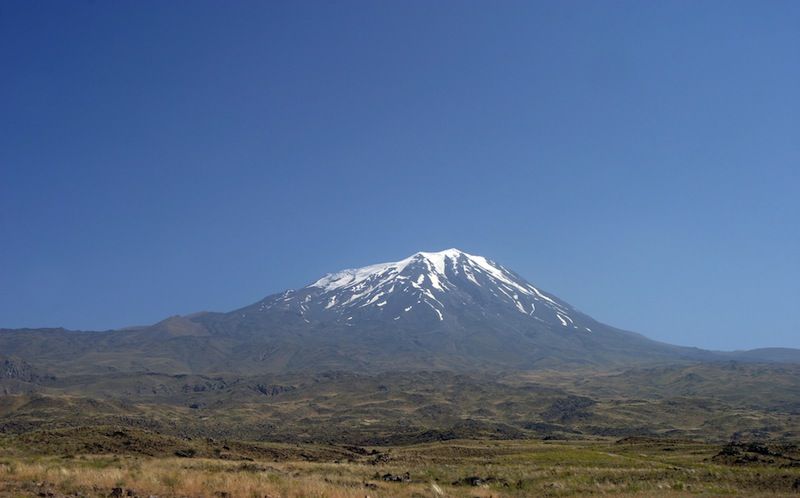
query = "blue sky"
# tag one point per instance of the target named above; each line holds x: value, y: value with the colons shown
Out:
x: 640, y: 160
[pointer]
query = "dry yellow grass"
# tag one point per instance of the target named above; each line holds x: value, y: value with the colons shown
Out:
x: 519, y: 469
x: 181, y: 477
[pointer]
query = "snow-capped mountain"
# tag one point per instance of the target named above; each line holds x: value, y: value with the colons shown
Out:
x: 426, y: 286
x: 446, y: 310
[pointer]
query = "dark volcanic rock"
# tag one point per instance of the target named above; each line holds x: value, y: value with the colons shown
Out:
x: 479, y: 481
x: 406, y: 477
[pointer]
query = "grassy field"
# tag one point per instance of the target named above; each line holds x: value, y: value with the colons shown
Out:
x: 639, y: 467
x: 666, y: 431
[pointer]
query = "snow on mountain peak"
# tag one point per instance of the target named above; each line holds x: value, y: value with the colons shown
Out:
x: 438, y: 282
x: 435, y: 261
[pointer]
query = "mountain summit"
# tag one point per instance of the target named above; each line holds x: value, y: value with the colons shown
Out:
x: 424, y: 287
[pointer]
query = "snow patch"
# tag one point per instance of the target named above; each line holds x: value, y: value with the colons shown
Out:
x: 436, y: 310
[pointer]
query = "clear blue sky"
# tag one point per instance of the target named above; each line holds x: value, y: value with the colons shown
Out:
x: 641, y: 160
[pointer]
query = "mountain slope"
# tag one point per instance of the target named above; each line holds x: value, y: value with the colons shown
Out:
x: 447, y: 309
x: 442, y: 310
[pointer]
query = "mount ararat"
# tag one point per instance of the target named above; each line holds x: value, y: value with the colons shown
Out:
x: 446, y: 310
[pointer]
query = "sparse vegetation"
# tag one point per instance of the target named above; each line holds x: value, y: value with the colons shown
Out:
x: 632, y: 467
x: 710, y: 402
x: 709, y: 429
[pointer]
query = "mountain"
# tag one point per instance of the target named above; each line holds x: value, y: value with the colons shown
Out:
x: 449, y: 286
x: 432, y: 310
x: 445, y: 310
